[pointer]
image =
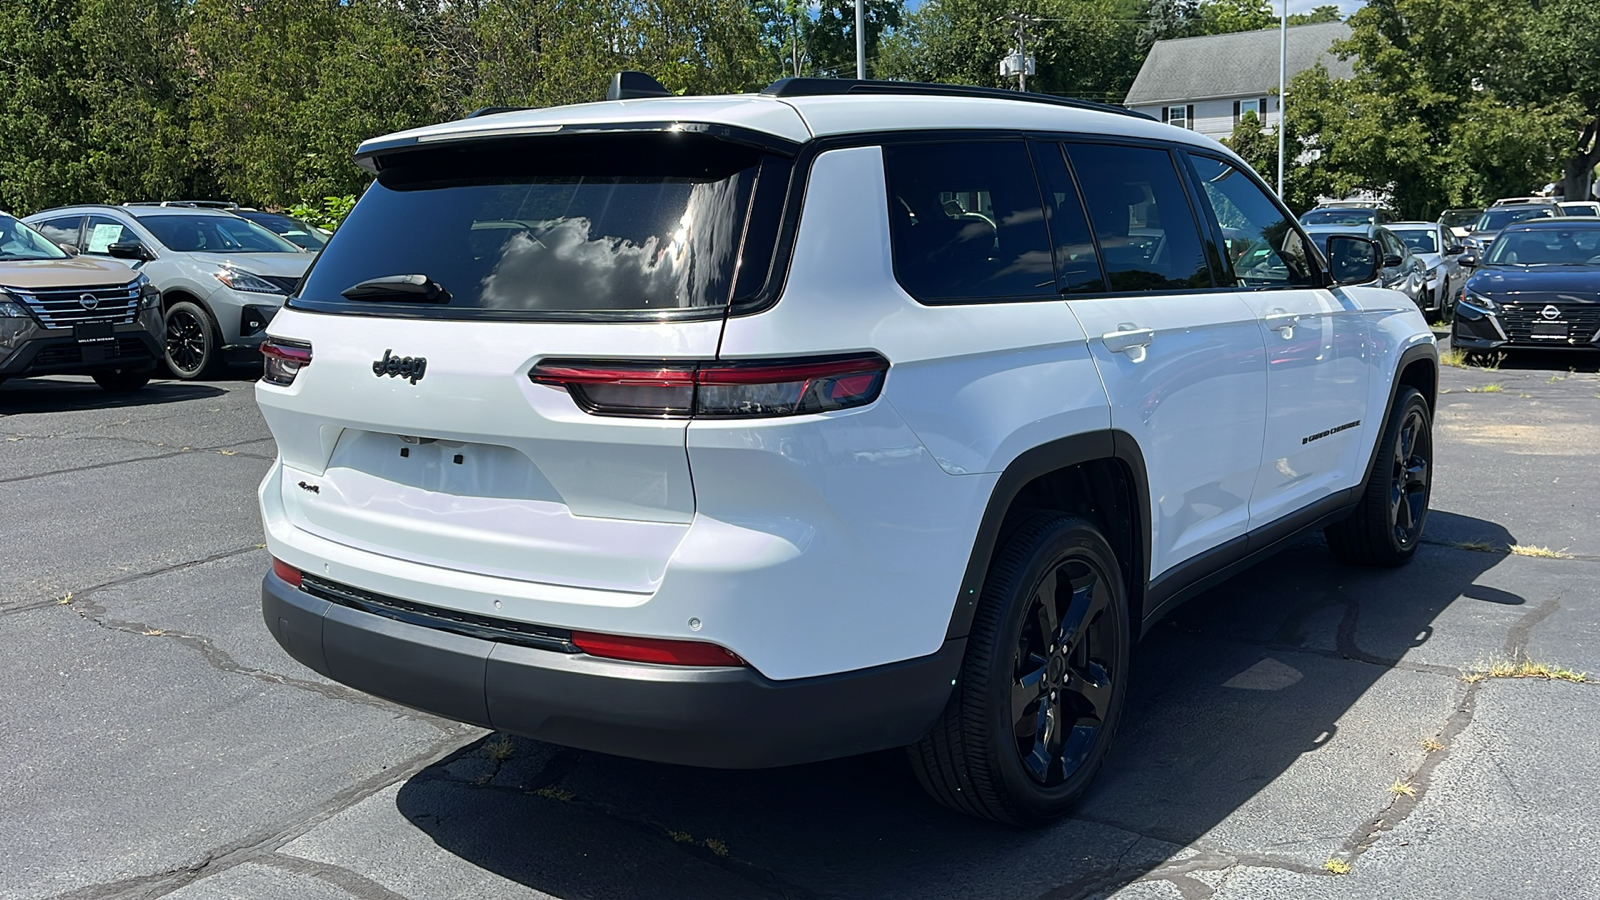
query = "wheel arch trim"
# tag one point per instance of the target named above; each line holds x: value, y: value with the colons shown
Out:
x: 1031, y: 464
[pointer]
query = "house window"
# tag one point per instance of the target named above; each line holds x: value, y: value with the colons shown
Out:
x: 1259, y: 105
x: 1181, y: 116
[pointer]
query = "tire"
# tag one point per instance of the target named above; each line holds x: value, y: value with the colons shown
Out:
x: 193, y: 348
x: 1386, y: 526
x: 975, y: 759
x: 122, y: 381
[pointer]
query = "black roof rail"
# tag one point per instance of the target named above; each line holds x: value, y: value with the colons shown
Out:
x: 824, y: 87
x: 187, y: 204
x: 493, y: 110
x: 627, y: 85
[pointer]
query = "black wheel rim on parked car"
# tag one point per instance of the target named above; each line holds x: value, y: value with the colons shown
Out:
x: 186, y: 341
x: 1063, y: 671
x: 1408, y: 485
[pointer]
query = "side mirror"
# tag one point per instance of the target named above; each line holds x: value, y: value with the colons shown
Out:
x: 129, y: 250
x: 1468, y: 261
x: 1454, y: 250
x: 1353, y: 260
x: 69, y: 249
x: 1390, y: 261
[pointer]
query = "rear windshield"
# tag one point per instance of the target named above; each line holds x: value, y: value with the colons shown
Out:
x: 1339, y: 217
x: 214, y: 234
x: 578, y: 226
x: 1496, y: 219
x: 1420, y: 240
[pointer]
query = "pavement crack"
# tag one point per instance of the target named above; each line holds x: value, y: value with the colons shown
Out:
x: 352, y: 883
x: 122, y: 462
x: 76, y: 596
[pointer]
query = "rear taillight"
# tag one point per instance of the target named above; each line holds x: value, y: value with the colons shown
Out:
x: 285, y: 571
x: 655, y: 650
x: 283, y: 360
x: 718, y: 389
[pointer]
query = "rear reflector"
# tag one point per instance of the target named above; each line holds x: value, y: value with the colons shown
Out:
x: 283, y: 361
x: 718, y: 389
x: 288, y: 573
x: 654, y: 650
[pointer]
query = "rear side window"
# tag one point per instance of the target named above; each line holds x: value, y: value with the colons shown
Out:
x: 584, y: 226
x: 1142, y: 219
x: 1264, y: 248
x: 966, y: 222
x: 61, y: 231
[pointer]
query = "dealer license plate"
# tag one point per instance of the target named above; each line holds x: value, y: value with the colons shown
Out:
x: 1549, y: 330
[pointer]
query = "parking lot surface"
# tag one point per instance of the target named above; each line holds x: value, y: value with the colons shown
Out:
x: 1303, y: 720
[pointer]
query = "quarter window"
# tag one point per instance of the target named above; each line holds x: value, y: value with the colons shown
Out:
x: 1264, y: 248
x: 1142, y: 219
x: 965, y: 222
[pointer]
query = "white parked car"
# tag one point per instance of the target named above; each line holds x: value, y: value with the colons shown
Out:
x: 221, y: 278
x: 753, y: 430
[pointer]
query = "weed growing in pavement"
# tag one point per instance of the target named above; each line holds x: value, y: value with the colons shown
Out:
x: 1539, y: 552
x: 1431, y: 745
x: 551, y: 792
x: 65, y: 600
x: 1455, y: 359
x: 1402, y: 788
x: 717, y: 847
x: 1520, y: 666
x: 1491, y: 363
x: 682, y: 837
x: 1553, y: 379
x: 1492, y: 388
x: 1336, y: 866
x: 499, y: 749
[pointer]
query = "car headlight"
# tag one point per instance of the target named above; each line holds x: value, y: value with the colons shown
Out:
x: 11, y: 308
x: 1478, y: 300
x: 149, y: 297
x: 240, y: 280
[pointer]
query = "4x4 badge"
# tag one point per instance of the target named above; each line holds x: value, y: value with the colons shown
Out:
x: 408, y: 367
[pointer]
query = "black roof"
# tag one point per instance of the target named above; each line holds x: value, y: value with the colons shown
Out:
x: 826, y: 87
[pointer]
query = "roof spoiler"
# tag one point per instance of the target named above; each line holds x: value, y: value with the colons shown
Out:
x: 627, y: 85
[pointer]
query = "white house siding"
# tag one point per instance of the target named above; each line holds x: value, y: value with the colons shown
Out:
x: 1214, y: 118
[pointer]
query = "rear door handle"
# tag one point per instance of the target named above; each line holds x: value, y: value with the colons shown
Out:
x: 1128, y: 336
x: 1281, y: 321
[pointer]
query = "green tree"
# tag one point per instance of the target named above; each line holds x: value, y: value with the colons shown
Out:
x: 831, y: 35
x: 1564, y: 36
x: 1084, y: 48
x: 1227, y: 16
x: 1255, y: 145
x: 1326, y: 13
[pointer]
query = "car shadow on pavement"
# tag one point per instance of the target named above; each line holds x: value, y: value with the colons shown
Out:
x: 45, y: 395
x: 1255, y: 724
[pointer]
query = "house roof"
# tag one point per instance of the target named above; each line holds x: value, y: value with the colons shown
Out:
x: 1233, y: 65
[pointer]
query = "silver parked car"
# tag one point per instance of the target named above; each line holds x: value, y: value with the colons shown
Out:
x: 1440, y: 252
x: 221, y: 277
x: 1400, y: 269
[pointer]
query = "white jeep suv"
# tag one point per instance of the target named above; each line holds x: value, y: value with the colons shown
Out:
x: 752, y: 430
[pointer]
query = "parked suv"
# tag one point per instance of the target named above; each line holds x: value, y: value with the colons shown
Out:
x: 753, y: 430
x: 221, y: 278
x: 61, y: 315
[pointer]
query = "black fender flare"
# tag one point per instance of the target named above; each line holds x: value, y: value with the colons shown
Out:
x: 1110, y: 444
x: 1424, y: 351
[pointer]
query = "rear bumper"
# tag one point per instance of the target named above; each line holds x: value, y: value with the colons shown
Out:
x: 715, y: 717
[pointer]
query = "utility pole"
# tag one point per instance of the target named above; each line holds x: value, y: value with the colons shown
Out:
x: 1283, y: 67
x: 1018, y: 63
x: 861, y: 42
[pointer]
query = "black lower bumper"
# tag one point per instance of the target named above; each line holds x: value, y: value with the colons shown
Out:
x: 132, y: 348
x: 721, y: 718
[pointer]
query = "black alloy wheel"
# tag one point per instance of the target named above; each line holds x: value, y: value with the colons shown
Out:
x: 1410, y: 474
x: 1041, y: 688
x: 192, y: 343
x: 1385, y: 528
x: 1061, y: 684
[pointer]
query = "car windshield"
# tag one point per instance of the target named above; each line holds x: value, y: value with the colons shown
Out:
x: 1496, y: 219
x: 1547, y: 247
x: 18, y: 241
x: 1576, y: 208
x: 1420, y: 240
x: 1339, y: 217
x: 290, y: 229
x: 1457, y: 218
x: 214, y: 234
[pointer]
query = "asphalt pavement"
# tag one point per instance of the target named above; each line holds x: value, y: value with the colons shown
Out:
x: 1303, y: 720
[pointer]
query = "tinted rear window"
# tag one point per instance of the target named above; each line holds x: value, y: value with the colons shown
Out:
x: 560, y: 226
x: 214, y: 234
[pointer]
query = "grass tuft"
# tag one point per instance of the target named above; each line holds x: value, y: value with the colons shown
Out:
x: 551, y: 792
x: 717, y: 847
x: 1455, y: 359
x: 1520, y: 666
x: 1335, y: 866
x: 65, y: 600
x: 499, y: 749
x: 682, y: 837
x: 1431, y: 745
x: 1402, y: 788
x: 1491, y: 388
x: 1539, y: 552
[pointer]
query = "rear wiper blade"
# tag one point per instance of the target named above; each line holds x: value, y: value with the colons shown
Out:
x: 418, y: 288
